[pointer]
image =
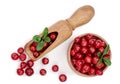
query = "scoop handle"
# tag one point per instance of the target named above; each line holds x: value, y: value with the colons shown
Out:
x: 81, y: 16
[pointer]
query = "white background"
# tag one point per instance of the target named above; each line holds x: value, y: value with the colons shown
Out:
x: 21, y: 19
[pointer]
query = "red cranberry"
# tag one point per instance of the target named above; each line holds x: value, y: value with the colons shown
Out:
x: 53, y: 36
x: 34, y: 44
x: 45, y: 60
x: 77, y: 40
x: 20, y: 50
x: 88, y: 59
x: 20, y: 72
x: 89, y: 36
x: 73, y: 61
x: 103, y: 44
x: 78, y: 56
x: 43, y: 72
x: 109, y: 52
x: 32, y: 48
x: 85, y: 68
x: 36, y: 54
x: 78, y: 68
x: 22, y: 65
x: 62, y: 77
x: 101, y: 49
x: 97, y: 44
x: 30, y: 63
x: 29, y: 71
x: 99, y: 72
x: 91, y: 41
x: 107, y: 56
x: 92, y: 49
x: 72, y: 52
x: 55, y: 68
x: 77, y: 48
x: 79, y: 63
x: 92, y: 71
x: 84, y: 50
x: 95, y: 60
x: 14, y: 56
x: 100, y: 66
x: 84, y: 42
x: 22, y: 57
x: 46, y: 45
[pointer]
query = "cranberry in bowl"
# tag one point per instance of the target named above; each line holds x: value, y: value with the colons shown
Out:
x: 89, y: 55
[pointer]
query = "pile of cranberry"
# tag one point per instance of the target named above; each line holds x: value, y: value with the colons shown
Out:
x: 33, y: 46
x: 83, y: 54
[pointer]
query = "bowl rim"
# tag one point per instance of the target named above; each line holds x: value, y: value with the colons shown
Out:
x: 69, y: 58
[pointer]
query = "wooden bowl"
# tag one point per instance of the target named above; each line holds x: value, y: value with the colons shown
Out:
x: 69, y: 57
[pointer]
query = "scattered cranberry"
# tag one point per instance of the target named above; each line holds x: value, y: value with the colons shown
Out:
x: 55, y: 68
x: 62, y: 77
x: 45, y: 60
x: 14, y: 56
x: 30, y: 63
x: 22, y: 65
x: 20, y: 50
x: 20, y: 72
x: 29, y: 71
x: 22, y: 57
x: 43, y: 72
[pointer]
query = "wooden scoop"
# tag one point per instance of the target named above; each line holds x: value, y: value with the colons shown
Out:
x: 64, y: 29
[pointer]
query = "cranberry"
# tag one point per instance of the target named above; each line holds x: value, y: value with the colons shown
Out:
x: 88, y: 59
x: 84, y: 42
x: 53, y: 36
x: 72, y: 52
x: 62, y: 77
x: 92, y: 71
x: 103, y: 44
x: 77, y: 40
x: 101, y: 49
x: 30, y: 63
x: 43, y: 72
x: 78, y: 68
x: 36, y: 54
x: 20, y: 72
x: 97, y: 44
x: 45, y: 60
x: 79, y: 63
x: 14, y: 56
x: 84, y: 50
x: 107, y: 56
x: 22, y: 57
x: 91, y: 41
x: 100, y: 66
x: 85, y: 68
x: 34, y: 44
x: 99, y: 72
x: 95, y: 60
x: 92, y: 49
x: 29, y: 71
x: 78, y: 56
x: 89, y: 36
x: 109, y: 52
x: 22, y: 65
x: 77, y: 48
x: 73, y: 61
x: 20, y: 50
x: 32, y: 48
x: 55, y: 68
x: 46, y: 45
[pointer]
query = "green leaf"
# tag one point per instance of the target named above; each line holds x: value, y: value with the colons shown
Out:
x: 99, y: 62
x: 40, y: 45
x: 47, y: 39
x: 45, y: 33
x: 99, y: 54
x: 107, y: 61
x: 106, y: 50
x: 36, y: 38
